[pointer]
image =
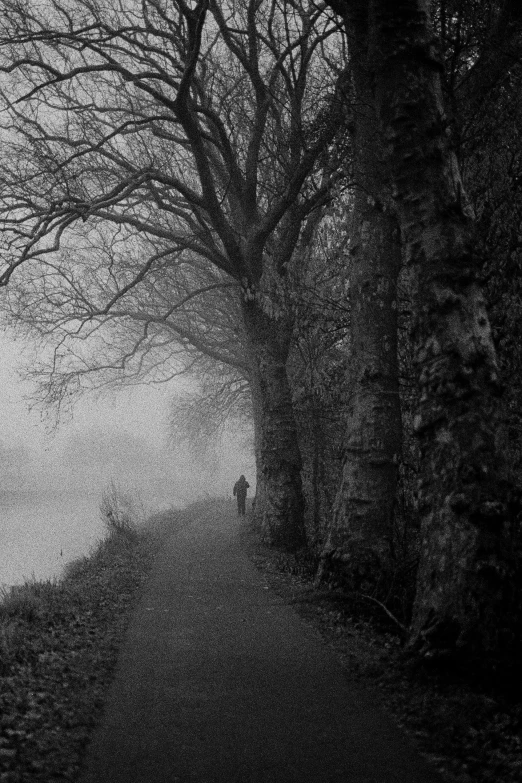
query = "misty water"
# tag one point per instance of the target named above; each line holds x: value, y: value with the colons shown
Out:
x: 50, y: 501
x: 40, y: 535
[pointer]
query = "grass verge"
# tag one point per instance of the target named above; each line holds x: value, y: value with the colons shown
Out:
x: 470, y: 730
x: 58, y: 647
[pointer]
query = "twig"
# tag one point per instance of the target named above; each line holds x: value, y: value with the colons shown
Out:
x: 385, y: 609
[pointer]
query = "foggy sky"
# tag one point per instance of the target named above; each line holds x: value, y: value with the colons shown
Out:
x: 123, y: 437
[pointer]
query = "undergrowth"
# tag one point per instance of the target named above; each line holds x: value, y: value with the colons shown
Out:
x: 470, y: 728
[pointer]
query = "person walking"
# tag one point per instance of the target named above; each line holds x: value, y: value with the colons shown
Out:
x: 240, y: 491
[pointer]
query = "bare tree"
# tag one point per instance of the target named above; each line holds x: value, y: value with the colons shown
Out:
x: 100, y: 319
x: 360, y: 531
x: 200, y: 125
x: 221, y: 401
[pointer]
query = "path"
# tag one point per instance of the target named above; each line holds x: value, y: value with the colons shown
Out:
x: 220, y: 682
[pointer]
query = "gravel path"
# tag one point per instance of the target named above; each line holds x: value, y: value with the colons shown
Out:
x: 220, y: 682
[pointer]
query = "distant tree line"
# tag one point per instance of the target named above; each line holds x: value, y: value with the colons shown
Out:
x: 306, y: 207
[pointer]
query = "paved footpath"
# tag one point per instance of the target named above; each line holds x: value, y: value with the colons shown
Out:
x: 219, y: 681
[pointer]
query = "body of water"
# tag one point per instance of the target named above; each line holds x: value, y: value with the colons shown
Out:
x: 39, y: 535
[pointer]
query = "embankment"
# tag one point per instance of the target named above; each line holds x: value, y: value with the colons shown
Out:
x: 59, y: 643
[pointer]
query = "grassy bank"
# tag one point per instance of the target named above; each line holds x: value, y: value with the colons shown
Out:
x: 58, y: 647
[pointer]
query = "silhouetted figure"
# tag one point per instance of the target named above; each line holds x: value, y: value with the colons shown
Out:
x: 240, y: 491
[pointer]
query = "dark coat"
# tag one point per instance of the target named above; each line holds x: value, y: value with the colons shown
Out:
x: 240, y: 487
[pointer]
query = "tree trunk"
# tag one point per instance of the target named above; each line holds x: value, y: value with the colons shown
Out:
x: 280, y: 506
x: 468, y: 594
x: 257, y: 415
x: 360, y: 534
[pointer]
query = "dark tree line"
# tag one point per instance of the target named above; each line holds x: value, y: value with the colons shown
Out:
x: 306, y: 206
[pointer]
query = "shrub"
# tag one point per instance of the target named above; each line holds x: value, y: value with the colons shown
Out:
x: 121, y: 511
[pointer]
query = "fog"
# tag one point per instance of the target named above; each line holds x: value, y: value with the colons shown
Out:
x: 86, y: 460
x: 52, y: 480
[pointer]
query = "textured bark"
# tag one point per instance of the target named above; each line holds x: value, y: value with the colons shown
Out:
x: 468, y: 595
x: 360, y: 533
x: 279, y: 497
